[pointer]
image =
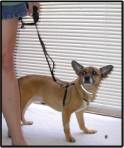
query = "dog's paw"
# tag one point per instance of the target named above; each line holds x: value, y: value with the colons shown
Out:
x: 9, y: 134
x: 27, y: 123
x: 89, y: 131
x: 71, y: 139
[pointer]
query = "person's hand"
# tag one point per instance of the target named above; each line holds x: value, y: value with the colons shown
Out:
x: 30, y: 7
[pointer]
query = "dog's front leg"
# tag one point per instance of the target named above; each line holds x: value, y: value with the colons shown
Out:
x: 66, y: 118
x: 80, y: 119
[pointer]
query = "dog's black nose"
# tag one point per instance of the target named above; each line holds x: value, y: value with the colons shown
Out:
x: 87, y: 79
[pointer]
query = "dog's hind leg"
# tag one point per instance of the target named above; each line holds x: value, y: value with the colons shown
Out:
x: 9, y: 134
x: 24, y: 121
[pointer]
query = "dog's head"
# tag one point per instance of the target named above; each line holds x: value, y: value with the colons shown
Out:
x: 91, y: 77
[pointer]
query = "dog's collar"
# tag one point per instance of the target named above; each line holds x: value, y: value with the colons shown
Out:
x: 89, y: 93
x: 80, y: 92
x: 87, y: 101
x: 66, y: 91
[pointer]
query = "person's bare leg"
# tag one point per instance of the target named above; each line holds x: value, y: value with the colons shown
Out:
x: 10, y: 90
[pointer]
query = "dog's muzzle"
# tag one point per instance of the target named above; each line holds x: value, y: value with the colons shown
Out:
x: 88, y: 80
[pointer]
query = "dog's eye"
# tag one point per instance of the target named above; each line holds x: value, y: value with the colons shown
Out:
x: 94, y: 73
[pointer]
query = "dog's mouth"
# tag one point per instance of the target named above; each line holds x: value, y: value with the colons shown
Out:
x: 87, y: 85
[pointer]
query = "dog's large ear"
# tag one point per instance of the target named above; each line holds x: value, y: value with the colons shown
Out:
x: 77, y: 67
x: 106, y: 70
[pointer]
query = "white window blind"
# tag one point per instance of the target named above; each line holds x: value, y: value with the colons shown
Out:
x: 89, y: 32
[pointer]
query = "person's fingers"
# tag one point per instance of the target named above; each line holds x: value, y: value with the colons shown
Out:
x: 30, y: 8
x: 37, y: 4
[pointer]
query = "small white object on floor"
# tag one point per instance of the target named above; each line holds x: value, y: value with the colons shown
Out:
x: 48, y: 129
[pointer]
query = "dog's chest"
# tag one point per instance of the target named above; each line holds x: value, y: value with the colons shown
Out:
x: 83, y: 106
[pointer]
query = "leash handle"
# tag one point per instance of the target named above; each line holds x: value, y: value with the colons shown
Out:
x: 35, y: 16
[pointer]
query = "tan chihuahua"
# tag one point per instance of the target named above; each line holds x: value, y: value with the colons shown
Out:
x: 63, y: 96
